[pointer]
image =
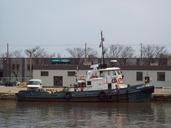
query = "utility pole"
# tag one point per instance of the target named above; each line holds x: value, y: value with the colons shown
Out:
x: 7, y: 65
x: 141, y: 51
x: 85, y: 50
x: 141, y: 54
x: 7, y: 51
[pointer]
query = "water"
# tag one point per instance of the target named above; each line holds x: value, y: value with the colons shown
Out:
x: 84, y: 115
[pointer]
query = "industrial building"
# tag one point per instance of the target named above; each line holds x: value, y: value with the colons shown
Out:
x: 60, y: 72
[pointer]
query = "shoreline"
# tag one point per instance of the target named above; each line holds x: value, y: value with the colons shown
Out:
x: 8, y: 93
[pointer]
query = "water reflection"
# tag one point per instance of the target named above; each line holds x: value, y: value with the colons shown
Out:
x: 85, y: 115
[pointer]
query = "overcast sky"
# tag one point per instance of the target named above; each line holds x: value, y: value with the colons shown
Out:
x: 59, y: 24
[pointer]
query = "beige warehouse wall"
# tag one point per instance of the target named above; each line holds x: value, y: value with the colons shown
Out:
x: 48, y: 80
x: 129, y: 77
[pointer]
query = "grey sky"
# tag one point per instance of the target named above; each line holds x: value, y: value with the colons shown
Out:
x: 59, y: 24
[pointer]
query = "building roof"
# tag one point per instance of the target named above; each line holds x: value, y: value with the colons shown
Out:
x: 83, y: 67
x: 145, y: 68
x: 62, y: 67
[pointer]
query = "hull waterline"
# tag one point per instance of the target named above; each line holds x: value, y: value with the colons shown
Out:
x: 139, y: 93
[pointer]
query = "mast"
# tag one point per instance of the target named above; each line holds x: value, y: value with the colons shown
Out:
x: 101, y: 45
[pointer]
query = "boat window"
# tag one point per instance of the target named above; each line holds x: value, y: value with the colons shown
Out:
x: 88, y: 82
x: 101, y: 74
x: 34, y: 83
x: 114, y: 73
x: 119, y: 72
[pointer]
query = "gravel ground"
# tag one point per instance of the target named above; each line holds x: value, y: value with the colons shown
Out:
x: 12, y: 90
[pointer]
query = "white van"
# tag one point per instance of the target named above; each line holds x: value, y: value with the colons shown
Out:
x: 34, y: 84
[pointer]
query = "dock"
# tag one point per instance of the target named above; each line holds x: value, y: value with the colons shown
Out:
x: 160, y: 93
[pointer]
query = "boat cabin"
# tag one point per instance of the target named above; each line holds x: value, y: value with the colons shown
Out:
x: 102, y: 78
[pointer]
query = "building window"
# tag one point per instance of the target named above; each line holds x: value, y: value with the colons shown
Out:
x: 160, y: 76
x: 44, y: 73
x: 71, y: 73
x: 101, y: 74
x: 139, y: 76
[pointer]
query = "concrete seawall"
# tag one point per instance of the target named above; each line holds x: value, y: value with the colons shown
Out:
x: 162, y: 94
x: 8, y: 93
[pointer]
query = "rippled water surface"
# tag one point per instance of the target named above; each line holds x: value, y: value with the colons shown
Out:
x: 84, y: 115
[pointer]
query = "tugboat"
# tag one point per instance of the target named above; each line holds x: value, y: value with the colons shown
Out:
x: 101, y: 84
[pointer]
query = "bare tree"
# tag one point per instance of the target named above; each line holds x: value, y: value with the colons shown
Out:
x: 91, y: 53
x: 153, y: 51
x: 160, y: 51
x: 120, y: 51
x: 76, y: 52
x: 148, y: 51
x: 30, y: 52
x: 38, y: 52
x: 4, y: 55
x: 35, y: 53
x: 80, y: 52
x: 15, y: 71
x: 42, y: 53
x: 127, y: 52
x: 15, y: 54
x: 115, y: 50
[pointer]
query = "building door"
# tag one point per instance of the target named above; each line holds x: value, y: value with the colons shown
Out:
x: 58, y: 81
